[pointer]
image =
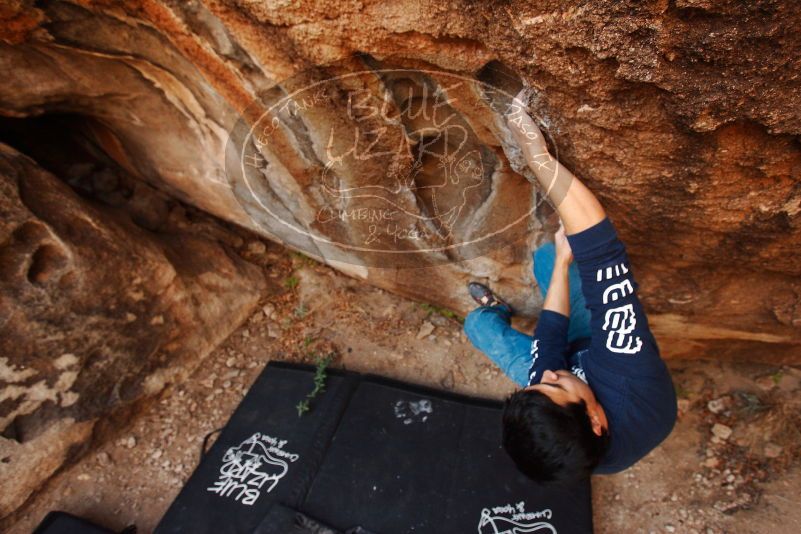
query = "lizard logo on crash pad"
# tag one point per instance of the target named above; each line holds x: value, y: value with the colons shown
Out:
x: 513, y: 519
x: 254, y: 466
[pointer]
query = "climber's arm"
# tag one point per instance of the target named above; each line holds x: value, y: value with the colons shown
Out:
x: 621, y: 337
x: 557, y: 298
x: 577, y: 206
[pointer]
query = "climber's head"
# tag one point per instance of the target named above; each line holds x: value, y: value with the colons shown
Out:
x: 555, y: 431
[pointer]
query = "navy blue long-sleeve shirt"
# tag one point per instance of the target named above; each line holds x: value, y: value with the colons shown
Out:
x: 621, y: 362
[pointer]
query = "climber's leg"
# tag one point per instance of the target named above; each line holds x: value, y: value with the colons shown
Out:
x: 489, y: 329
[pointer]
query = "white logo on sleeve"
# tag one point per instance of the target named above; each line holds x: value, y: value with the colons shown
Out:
x: 535, y: 353
x: 617, y: 291
x: 610, y: 272
x: 579, y: 373
x: 245, y: 470
x: 619, y: 321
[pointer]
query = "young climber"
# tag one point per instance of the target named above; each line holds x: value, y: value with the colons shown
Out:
x: 596, y: 394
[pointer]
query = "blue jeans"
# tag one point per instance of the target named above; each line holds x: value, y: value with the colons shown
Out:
x: 489, y: 327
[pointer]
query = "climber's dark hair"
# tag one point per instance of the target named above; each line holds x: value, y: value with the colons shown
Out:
x: 549, y: 442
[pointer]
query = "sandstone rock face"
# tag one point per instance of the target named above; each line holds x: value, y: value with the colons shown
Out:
x: 95, y: 313
x: 683, y: 116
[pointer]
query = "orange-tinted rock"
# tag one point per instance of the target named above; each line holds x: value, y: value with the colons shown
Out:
x: 682, y: 116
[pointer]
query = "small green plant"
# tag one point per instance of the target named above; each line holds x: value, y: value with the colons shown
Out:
x: 777, y: 377
x: 300, y: 311
x: 750, y: 404
x: 303, y: 259
x: 291, y: 282
x: 320, y: 375
x: 445, y: 312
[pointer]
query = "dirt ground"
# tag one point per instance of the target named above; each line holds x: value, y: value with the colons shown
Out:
x: 729, y: 466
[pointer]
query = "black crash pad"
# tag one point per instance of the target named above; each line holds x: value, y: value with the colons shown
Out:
x: 372, y: 456
x: 64, y: 523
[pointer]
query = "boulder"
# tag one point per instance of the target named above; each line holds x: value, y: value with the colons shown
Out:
x: 96, y: 315
x: 371, y: 137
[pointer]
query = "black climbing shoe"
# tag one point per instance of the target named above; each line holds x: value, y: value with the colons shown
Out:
x: 484, y: 296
